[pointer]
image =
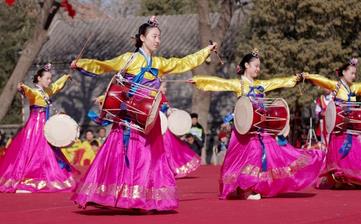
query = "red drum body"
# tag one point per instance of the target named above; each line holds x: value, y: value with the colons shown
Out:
x: 343, y: 117
x: 137, y: 109
x: 261, y: 115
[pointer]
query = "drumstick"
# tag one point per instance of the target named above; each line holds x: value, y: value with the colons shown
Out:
x: 82, y: 50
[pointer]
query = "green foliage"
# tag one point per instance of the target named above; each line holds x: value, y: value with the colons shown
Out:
x: 16, y: 24
x: 311, y: 35
x: 172, y: 7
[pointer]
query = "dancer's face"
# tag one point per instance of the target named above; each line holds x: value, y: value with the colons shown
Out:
x: 349, y: 75
x: 253, y: 68
x: 151, y: 40
x: 45, y: 80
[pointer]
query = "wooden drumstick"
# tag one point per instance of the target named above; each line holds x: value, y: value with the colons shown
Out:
x: 216, y: 52
x: 82, y: 50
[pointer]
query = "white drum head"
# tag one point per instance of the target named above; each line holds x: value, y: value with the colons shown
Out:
x: 61, y: 130
x: 243, y: 115
x: 153, y: 114
x: 179, y: 122
x: 281, y: 102
x: 163, y: 122
x: 330, y: 116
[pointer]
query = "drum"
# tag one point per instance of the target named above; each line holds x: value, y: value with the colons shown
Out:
x: 343, y: 117
x: 261, y: 115
x: 179, y: 122
x: 163, y: 122
x: 131, y: 104
x: 61, y: 130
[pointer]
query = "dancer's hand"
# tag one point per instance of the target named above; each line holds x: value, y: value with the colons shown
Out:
x: 73, y: 65
x: 19, y: 86
x: 191, y: 81
x: 299, y: 76
x: 213, y: 46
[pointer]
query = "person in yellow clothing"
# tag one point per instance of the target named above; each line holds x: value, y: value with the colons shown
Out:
x: 30, y: 163
x: 343, y: 166
x: 131, y: 169
x: 255, y: 164
x: 89, y: 153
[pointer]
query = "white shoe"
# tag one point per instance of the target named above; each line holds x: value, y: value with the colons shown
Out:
x: 254, y: 197
x: 22, y: 191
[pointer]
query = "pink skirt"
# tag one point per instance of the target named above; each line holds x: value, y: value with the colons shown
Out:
x: 348, y: 167
x: 287, y: 168
x: 31, y: 164
x: 182, y: 159
x: 147, y: 182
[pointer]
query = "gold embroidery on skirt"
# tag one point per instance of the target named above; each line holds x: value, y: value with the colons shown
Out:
x: 274, y: 173
x: 38, y: 184
x: 128, y: 191
x: 188, y: 167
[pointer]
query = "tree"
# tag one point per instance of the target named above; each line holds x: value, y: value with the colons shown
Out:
x: 312, y: 35
x: 45, y: 12
x: 16, y: 25
x: 294, y: 36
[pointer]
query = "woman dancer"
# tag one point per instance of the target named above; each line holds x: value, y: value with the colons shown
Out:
x: 131, y: 169
x: 256, y: 165
x: 343, y: 167
x: 30, y: 163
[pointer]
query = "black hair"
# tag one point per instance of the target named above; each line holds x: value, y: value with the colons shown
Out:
x: 194, y: 115
x: 246, y: 59
x: 143, y: 29
x: 39, y: 73
x: 94, y: 143
x: 344, y: 67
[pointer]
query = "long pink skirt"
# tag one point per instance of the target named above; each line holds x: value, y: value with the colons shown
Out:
x: 182, y: 159
x: 148, y: 183
x: 288, y: 168
x: 31, y: 164
x: 347, y: 168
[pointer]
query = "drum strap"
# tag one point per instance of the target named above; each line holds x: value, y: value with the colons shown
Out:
x: 140, y: 76
x: 347, y: 144
x: 126, y: 137
x: 264, y: 154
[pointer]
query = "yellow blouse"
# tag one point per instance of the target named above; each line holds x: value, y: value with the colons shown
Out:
x: 34, y: 95
x: 164, y: 66
x: 212, y: 83
x: 343, y: 92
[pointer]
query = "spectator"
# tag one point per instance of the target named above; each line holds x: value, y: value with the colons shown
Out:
x: 102, y: 133
x: 198, y: 133
x: 89, y: 154
x: 95, y: 146
x: 194, y: 143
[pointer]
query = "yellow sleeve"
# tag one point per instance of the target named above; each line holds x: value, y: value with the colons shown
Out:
x: 212, y: 83
x: 92, y: 67
x: 321, y: 81
x: 58, y: 85
x: 179, y: 65
x: 28, y: 92
x: 276, y: 83
x: 357, y: 88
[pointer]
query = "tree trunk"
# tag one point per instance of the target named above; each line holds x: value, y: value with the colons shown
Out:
x: 29, y: 53
x: 201, y: 100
